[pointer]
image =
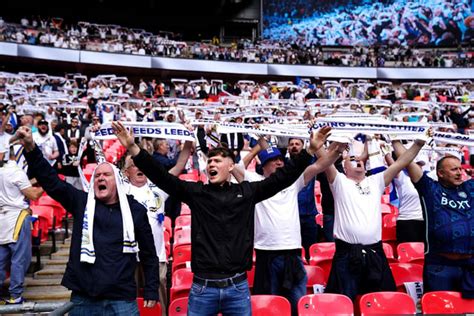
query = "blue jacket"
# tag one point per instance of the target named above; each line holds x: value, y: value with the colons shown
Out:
x: 112, y: 274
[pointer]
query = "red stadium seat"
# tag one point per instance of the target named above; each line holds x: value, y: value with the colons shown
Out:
x: 145, y: 311
x: 388, y: 250
x: 185, y: 210
x: 389, y: 227
x: 182, y: 237
x: 181, y: 282
x: 319, y: 219
x: 325, y: 304
x: 446, y: 302
x: 411, y: 252
x: 181, y: 255
x: 181, y: 222
x: 179, y: 307
x: 268, y: 305
x: 58, y: 209
x: 167, y: 225
x: 315, y: 276
x: 406, y: 272
x: 45, y: 215
x: 190, y: 177
x: 386, y: 209
x: 385, y: 303
x: 166, y: 238
x: 250, y: 277
x: 321, y: 255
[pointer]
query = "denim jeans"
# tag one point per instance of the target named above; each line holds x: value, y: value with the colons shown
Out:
x: 18, y: 254
x: 441, y: 277
x: 87, y: 306
x: 232, y: 300
x: 297, y: 291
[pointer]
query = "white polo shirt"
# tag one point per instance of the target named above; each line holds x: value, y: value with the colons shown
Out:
x: 12, y: 180
x: 277, y: 221
x: 153, y: 199
x: 358, y: 209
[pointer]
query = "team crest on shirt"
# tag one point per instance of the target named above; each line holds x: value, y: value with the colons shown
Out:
x: 462, y: 194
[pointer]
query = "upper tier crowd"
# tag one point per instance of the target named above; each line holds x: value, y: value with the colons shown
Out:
x: 54, y: 32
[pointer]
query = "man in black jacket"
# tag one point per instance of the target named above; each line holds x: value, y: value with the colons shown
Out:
x: 101, y: 279
x: 222, y: 224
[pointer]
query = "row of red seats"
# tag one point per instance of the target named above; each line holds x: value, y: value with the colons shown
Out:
x: 380, y: 303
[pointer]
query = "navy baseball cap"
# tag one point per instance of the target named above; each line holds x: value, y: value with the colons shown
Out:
x: 267, y: 154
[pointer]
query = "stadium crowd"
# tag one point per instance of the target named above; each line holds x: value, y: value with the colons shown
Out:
x: 48, y: 117
x: 55, y: 32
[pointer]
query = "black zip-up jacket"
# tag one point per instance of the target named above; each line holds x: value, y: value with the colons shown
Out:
x: 112, y: 274
x: 222, y: 221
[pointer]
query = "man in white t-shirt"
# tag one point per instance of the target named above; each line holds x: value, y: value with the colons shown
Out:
x: 153, y: 198
x: 359, y: 265
x: 15, y: 231
x: 46, y: 142
x: 279, y: 267
x: 410, y: 223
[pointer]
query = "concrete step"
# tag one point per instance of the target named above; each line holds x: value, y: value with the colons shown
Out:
x: 49, y: 273
x: 31, y: 282
x: 61, y: 254
x: 47, y: 295
x: 55, y: 262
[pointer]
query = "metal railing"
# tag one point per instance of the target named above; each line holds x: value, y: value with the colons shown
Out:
x: 55, y: 309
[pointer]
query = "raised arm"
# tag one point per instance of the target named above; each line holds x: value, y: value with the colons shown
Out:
x: 334, y: 152
x: 151, y: 167
x: 414, y: 171
x: 331, y: 171
x: 239, y: 169
x: 46, y: 176
x: 285, y: 176
x: 182, y: 159
x: 403, y: 161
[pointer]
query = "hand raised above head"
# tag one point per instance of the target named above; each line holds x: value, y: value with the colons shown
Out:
x: 125, y: 137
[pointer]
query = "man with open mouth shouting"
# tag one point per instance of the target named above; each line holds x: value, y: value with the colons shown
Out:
x: 108, y: 226
x: 222, y: 224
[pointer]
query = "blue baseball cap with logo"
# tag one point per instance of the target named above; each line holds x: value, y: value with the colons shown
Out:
x: 268, y: 154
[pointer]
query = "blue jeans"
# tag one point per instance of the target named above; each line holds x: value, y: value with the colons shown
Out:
x: 441, y: 277
x: 18, y: 254
x: 231, y: 300
x: 328, y: 227
x: 87, y: 306
x: 297, y: 291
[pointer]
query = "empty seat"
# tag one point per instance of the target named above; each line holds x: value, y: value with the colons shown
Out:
x: 182, y: 237
x: 321, y: 255
x: 384, y: 303
x: 406, y: 272
x: 411, y: 252
x: 267, y: 305
x: 315, y: 276
x: 325, y: 304
x: 446, y: 302
x: 388, y: 250
x: 179, y: 307
x: 181, y: 257
x: 181, y: 282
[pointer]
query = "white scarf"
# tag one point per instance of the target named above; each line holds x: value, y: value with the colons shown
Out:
x: 87, y: 244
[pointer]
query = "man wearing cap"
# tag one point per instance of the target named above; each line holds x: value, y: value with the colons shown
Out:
x: 222, y: 224
x: 108, y: 228
x: 359, y: 264
x: 449, y: 214
x: 46, y: 142
x: 279, y: 267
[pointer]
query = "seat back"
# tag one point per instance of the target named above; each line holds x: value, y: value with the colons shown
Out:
x: 267, y: 305
x: 325, y: 304
x: 181, y: 282
x: 179, y: 307
x: 315, y: 276
x: 406, y: 272
x: 446, y: 302
x: 411, y: 252
x: 388, y: 250
x: 182, y: 222
x: 383, y: 303
x: 182, y: 237
x: 321, y: 255
x: 181, y: 255
x: 146, y: 311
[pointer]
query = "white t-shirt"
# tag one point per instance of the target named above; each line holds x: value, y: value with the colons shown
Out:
x: 12, y: 180
x: 277, y: 221
x: 5, y: 145
x: 358, y: 216
x: 153, y: 199
x: 47, y: 144
x: 410, y: 206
